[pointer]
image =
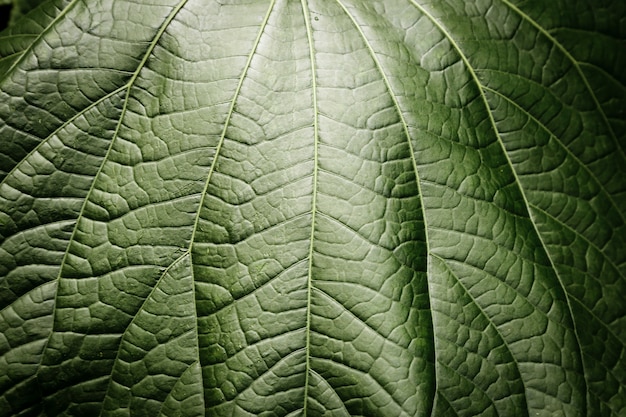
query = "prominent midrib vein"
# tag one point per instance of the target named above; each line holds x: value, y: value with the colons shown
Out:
x: 494, y: 128
x: 307, y: 346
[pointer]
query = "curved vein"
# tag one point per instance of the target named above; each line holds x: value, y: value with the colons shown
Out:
x: 39, y: 36
x: 405, y: 128
x: 309, y: 33
x: 129, y: 86
x: 565, y: 148
x: 231, y: 110
x: 576, y: 65
x: 484, y: 314
x: 56, y: 131
x: 492, y: 122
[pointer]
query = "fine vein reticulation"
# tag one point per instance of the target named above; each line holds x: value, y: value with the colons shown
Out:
x: 313, y: 208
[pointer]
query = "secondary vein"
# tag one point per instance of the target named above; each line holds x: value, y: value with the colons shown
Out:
x: 309, y: 30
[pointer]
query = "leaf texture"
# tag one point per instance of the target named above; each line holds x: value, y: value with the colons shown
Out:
x: 313, y: 208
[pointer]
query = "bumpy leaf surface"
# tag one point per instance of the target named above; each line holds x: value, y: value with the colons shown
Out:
x: 313, y: 208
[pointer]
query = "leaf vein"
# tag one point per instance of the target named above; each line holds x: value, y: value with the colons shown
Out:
x: 407, y: 135
x: 309, y: 33
x: 564, y: 147
x: 576, y: 64
x: 484, y: 314
x: 483, y: 96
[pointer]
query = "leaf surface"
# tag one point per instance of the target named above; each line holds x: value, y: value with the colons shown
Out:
x: 314, y: 207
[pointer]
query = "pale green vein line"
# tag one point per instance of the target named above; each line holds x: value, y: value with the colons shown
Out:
x: 63, y: 126
x: 396, y: 105
x: 12, y: 349
x: 258, y: 287
x: 565, y: 148
x: 407, y: 134
x: 492, y: 122
x: 583, y: 237
x: 481, y: 269
x: 445, y: 400
x: 13, y: 37
x: 129, y: 86
x: 307, y: 370
x: 189, y: 370
x: 231, y: 110
x: 484, y: 314
x: 269, y: 372
x: 135, y: 317
x: 333, y: 390
x: 576, y: 65
x: 218, y: 149
x: 363, y: 322
x: 605, y: 73
x: 357, y: 233
x: 381, y: 387
x: 480, y: 389
x: 606, y: 327
x: 467, y: 196
x: 40, y: 36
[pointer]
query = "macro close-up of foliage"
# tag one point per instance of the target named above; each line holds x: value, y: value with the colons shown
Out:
x: 339, y: 208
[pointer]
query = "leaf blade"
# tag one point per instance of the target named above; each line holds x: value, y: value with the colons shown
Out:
x: 383, y: 208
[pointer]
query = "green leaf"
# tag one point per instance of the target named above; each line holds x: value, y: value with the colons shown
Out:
x: 315, y: 208
x: 13, y: 10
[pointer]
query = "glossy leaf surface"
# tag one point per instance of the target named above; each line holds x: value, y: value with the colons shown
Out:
x: 313, y: 208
